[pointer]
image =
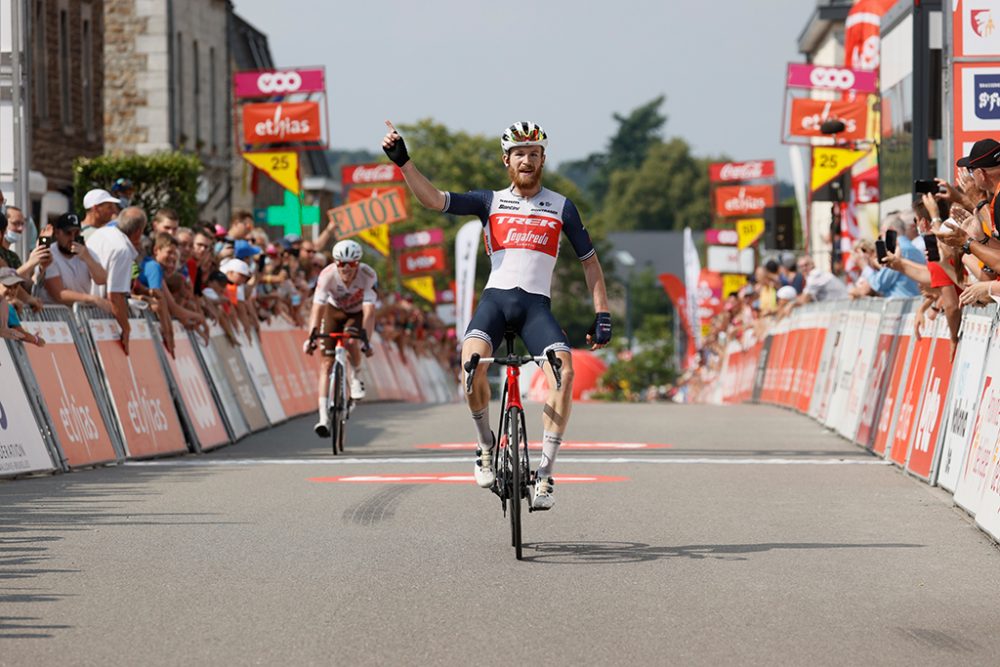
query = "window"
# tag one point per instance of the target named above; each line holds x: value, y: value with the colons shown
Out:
x: 41, y: 64
x: 65, y: 98
x: 196, y: 66
x: 87, y: 69
x: 212, y: 92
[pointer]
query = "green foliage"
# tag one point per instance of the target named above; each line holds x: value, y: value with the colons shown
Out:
x: 651, y: 366
x: 637, y: 133
x: 161, y: 180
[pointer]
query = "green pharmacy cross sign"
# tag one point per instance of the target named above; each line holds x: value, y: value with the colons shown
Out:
x: 292, y: 215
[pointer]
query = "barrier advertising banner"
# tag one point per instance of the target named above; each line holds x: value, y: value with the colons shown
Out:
x: 239, y: 380
x: 260, y: 376
x: 138, y: 389
x: 227, y: 394
x: 195, y: 392
x: 887, y: 418
x: 878, y: 379
x: 77, y: 420
x: 867, y: 344
x: 979, y: 458
x: 22, y: 449
x: 283, y: 358
x: 934, y: 390
x: 909, y: 400
x: 965, y: 392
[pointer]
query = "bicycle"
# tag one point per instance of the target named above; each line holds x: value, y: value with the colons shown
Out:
x: 339, y: 402
x: 511, y: 464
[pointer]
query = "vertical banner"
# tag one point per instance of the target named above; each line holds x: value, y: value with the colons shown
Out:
x: 466, y: 249
x: 692, y: 272
x: 22, y: 449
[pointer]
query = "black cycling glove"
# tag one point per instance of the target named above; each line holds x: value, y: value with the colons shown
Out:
x: 600, y: 330
x: 398, y: 152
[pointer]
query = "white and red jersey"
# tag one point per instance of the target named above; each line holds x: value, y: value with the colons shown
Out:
x: 522, y: 234
x: 330, y: 288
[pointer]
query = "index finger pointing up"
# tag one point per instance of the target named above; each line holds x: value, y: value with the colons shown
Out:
x: 389, y: 125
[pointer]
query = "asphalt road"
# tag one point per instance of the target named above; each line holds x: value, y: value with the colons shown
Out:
x: 755, y: 538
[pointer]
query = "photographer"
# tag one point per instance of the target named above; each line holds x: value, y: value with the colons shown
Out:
x: 75, y: 270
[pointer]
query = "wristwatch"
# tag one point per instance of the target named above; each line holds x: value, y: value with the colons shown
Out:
x: 981, y: 204
x: 985, y: 239
x: 966, y: 247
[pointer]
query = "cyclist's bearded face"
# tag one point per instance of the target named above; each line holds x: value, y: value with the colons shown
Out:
x: 524, y: 166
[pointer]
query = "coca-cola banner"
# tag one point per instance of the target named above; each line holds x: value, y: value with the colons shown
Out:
x: 281, y: 123
x: 743, y: 200
x: 278, y: 82
x: 751, y: 170
x: 830, y: 78
x: 425, y: 260
x: 418, y: 239
x: 366, y: 174
x: 808, y: 115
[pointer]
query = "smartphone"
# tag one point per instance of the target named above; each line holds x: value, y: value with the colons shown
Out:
x: 931, y: 248
x: 45, y: 241
x: 926, y: 185
x: 880, y: 250
x: 890, y: 240
x: 79, y: 239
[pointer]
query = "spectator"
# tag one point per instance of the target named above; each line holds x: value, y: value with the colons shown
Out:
x: 101, y: 209
x: 165, y: 222
x: 240, y: 224
x: 10, y: 323
x: 16, y: 224
x: 820, y: 285
x: 888, y: 282
x: 75, y: 269
x: 40, y: 257
x: 117, y: 248
x: 788, y: 273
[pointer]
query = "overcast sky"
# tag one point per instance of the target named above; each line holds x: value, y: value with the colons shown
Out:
x: 568, y: 65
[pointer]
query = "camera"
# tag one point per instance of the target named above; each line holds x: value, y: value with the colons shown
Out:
x: 931, y: 248
x: 926, y: 185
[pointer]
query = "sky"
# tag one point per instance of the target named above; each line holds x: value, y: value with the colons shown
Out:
x: 479, y: 65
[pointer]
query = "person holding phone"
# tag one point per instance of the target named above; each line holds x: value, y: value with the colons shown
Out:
x: 75, y: 269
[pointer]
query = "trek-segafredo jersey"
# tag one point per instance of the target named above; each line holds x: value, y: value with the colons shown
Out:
x: 330, y: 288
x: 522, y: 235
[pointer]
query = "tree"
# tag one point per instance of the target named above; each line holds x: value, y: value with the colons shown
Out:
x: 651, y: 366
x: 637, y: 133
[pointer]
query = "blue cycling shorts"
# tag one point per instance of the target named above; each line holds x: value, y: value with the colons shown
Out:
x: 528, y: 314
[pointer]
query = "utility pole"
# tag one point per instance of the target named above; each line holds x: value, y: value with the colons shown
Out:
x: 15, y: 149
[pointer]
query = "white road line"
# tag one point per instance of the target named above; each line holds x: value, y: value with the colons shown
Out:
x: 206, y: 462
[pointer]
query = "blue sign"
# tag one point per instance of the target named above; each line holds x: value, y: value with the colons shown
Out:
x: 987, y: 90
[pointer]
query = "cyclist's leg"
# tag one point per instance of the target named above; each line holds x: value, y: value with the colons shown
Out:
x: 354, y: 356
x: 332, y: 322
x: 542, y: 333
x: 483, y: 337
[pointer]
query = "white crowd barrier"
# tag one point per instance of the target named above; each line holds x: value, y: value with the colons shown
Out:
x: 859, y: 369
x: 82, y: 401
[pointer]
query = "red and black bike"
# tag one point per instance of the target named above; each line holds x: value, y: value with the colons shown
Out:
x: 510, y: 457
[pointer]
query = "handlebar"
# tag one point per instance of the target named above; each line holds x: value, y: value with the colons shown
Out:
x: 314, y: 335
x: 513, y: 360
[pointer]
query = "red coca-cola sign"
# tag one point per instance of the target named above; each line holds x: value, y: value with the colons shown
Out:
x: 425, y: 260
x: 366, y: 174
x: 751, y: 170
x: 743, y: 200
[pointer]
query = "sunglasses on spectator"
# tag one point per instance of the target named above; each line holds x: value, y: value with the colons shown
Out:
x: 347, y: 263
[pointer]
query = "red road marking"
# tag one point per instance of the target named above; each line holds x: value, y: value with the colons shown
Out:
x: 570, y: 444
x: 452, y: 478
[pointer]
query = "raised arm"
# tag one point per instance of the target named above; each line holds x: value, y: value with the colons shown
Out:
x: 425, y: 192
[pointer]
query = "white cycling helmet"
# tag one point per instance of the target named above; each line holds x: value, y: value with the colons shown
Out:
x: 347, y: 251
x: 523, y: 133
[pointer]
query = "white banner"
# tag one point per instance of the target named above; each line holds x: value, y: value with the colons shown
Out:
x: 978, y: 467
x: 856, y: 397
x: 226, y: 393
x: 692, y: 272
x: 22, y: 449
x: 967, y: 377
x: 466, y: 249
x: 261, y: 375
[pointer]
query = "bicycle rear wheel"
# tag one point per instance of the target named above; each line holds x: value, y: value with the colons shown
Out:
x: 513, y: 463
x: 336, y: 426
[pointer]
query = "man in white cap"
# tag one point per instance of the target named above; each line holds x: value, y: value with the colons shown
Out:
x: 237, y: 272
x: 116, y: 248
x: 101, y: 209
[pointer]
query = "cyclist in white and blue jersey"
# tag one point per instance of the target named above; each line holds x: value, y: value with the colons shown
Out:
x: 521, y: 228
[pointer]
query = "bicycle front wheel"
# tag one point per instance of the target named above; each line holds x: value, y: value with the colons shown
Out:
x: 337, y: 394
x: 513, y: 463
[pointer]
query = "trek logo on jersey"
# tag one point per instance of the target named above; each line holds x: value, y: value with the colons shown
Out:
x: 531, y: 232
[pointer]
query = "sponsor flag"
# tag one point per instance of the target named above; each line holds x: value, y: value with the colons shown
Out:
x: 422, y: 287
x: 385, y: 209
x: 281, y: 166
x: 861, y: 34
x: 423, y: 260
x: 829, y: 162
x: 466, y: 251
x: 692, y: 271
x: 749, y: 231
x: 674, y: 287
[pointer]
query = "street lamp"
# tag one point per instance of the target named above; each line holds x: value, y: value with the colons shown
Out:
x: 627, y: 261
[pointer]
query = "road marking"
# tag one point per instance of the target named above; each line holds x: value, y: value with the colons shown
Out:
x: 452, y: 478
x: 679, y: 460
x: 455, y: 446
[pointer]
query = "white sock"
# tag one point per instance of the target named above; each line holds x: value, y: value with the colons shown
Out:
x: 550, y: 447
x: 324, y: 416
x: 483, y: 433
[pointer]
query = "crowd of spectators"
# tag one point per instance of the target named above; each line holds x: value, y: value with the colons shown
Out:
x: 121, y: 258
